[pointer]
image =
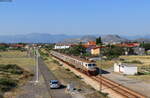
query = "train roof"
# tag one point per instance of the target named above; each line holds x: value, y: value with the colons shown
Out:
x: 75, y: 57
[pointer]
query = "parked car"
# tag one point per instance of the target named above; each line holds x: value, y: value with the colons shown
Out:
x: 54, y: 84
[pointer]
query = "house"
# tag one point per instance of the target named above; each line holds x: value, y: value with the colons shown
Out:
x: 128, y: 69
x: 139, y: 51
x: 129, y: 45
x: 16, y: 46
x: 95, y: 51
x: 61, y: 46
x: 89, y: 44
x: 148, y: 52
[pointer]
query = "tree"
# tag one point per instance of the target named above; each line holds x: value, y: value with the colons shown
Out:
x: 146, y: 46
x: 112, y: 52
x: 98, y: 41
x: 77, y: 50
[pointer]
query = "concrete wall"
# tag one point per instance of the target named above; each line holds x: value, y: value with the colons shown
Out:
x: 130, y: 70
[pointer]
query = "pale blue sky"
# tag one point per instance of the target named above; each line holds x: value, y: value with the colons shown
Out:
x: 75, y: 17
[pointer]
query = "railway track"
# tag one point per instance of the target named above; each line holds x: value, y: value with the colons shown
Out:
x: 118, y: 88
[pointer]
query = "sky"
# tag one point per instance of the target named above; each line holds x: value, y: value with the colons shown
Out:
x: 127, y: 17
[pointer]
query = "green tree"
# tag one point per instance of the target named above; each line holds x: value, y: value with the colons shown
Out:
x: 145, y: 45
x: 112, y: 52
x: 98, y: 41
x: 77, y: 50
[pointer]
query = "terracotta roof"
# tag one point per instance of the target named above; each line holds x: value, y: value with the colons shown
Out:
x: 129, y: 45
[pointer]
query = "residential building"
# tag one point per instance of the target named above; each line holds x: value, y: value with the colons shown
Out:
x: 139, y: 51
x: 95, y: 50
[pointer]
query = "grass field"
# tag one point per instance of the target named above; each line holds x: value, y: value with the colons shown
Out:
x: 144, y: 59
x: 105, y: 64
x: 13, y: 54
x: 17, y: 58
x: 25, y: 63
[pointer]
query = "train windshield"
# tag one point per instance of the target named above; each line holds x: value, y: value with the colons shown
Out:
x: 91, y: 65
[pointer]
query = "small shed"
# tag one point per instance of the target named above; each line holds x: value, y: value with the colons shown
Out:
x: 128, y: 69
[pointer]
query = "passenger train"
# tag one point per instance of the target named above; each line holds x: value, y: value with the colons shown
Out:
x: 87, y: 66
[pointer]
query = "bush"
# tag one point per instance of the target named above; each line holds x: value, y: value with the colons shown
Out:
x: 7, y: 84
x: 67, y: 69
x: 104, y: 94
x: 11, y: 68
x: 134, y: 62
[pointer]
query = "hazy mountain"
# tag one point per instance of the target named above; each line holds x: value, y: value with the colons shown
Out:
x: 106, y: 38
x: 113, y: 38
x: 146, y: 40
x: 82, y: 39
x: 35, y: 38
x: 54, y: 38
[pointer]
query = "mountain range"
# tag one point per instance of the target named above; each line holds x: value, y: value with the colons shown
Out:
x: 55, y: 38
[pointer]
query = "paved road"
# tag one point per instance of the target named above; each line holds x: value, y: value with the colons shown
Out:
x: 48, y: 75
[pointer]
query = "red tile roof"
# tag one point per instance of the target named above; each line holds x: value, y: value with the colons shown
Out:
x: 129, y: 45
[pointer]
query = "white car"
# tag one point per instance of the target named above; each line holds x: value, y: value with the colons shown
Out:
x: 54, y: 84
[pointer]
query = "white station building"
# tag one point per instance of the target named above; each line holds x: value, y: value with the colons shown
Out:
x: 61, y: 46
x: 128, y: 69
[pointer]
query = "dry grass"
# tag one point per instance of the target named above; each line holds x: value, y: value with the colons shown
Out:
x: 144, y: 59
x: 13, y: 53
x: 94, y: 95
x: 17, y: 57
x: 25, y: 63
x: 105, y: 64
x: 145, y: 62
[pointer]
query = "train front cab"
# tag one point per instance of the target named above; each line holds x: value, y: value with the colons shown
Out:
x: 92, y: 69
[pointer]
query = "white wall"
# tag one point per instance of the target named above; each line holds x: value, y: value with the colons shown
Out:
x: 116, y: 67
x: 130, y: 70
x: 61, y: 47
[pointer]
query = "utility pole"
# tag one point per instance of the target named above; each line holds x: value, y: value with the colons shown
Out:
x: 100, y: 72
x: 37, y: 65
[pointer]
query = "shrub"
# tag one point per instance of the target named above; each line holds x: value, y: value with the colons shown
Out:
x: 67, y: 69
x: 136, y: 61
x: 11, y: 68
x: 7, y: 84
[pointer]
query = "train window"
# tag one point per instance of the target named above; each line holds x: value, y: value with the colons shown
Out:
x: 89, y: 64
x: 94, y: 64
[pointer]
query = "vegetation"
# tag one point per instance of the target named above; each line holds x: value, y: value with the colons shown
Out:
x: 48, y: 47
x: 99, y: 41
x: 13, y: 54
x: 11, y: 68
x: 3, y: 48
x: 77, y: 50
x: 6, y: 84
x: 146, y: 46
x: 15, y: 69
x: 112, y: 52
x: 133, y: 62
